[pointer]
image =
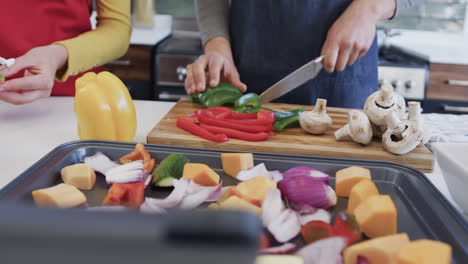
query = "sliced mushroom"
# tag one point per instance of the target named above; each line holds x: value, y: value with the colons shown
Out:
x: 316, y: 121
x: 379, y: 104
x: 358, y: 128
x: 402, y: 136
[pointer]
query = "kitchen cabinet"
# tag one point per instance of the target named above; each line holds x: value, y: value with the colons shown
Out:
x: 447, y: 91
x: 135, y: 70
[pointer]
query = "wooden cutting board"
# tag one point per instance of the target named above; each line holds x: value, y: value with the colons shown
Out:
x: 290, y: 141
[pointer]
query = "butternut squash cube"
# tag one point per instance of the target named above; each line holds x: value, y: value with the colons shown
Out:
x: 347, y: 178
x: 382, y: 250
x: 279, y: 259
x: 60, y: 196
x: 80, y: 175
x: 233, y: 163
x: 377, y: 216
x: 236, y: 203
x: 256, y: 188
x: 363, y: 189
x: 425, y: 251
x: 200, y: 174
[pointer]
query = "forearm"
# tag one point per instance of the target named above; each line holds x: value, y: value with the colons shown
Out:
x: 108, y: 41
x: 213, y: 19
x: 377, y: 10
x: 402, y: 5
x: 220, y: 45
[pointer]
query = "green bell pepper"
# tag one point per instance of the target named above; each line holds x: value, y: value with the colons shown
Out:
x: 222, y: 94
x: 248, y: 103
x: 285, y: 119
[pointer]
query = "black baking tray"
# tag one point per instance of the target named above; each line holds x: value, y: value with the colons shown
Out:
x: 423, y: 212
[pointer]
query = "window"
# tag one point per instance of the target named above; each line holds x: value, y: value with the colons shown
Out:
x: 433, y: 15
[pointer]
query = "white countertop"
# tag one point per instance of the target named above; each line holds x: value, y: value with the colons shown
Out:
x: 29, y: 132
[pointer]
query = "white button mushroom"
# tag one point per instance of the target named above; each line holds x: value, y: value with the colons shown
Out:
x: 414, y: 114
x: 316, y: 121
x: 358, y: 128
x: 379, y: 104
x: 401, y: 137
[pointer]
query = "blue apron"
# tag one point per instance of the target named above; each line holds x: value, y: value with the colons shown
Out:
x: 272, y: 38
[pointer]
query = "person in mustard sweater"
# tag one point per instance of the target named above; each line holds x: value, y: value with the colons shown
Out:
x: 54, y: 44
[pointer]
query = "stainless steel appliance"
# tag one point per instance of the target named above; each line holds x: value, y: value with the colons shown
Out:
x: 172, y: 56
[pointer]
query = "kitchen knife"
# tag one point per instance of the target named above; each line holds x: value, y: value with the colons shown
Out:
x: 295, y: 79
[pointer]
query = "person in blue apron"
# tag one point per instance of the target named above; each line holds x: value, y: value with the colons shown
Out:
x: 270, y: 39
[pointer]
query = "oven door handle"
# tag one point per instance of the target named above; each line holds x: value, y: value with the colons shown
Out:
x: 449, y: 108
x: 457, y: 82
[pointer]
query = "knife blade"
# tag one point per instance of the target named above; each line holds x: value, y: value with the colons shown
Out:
x: 295, y: 79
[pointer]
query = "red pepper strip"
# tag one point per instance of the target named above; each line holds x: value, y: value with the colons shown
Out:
x: 260, y: 136
x: 140, y: 153
x: 249, y: 122
x: 242, y: 116
x: 223, y: 115
x: 265, y: 114
x: 191, y: 127
x: 345, y: 225
x: 316, y: 230
x: 228, y: 124
x: 127, y: 194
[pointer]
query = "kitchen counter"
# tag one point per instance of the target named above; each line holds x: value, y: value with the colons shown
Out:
x: 29, y: 132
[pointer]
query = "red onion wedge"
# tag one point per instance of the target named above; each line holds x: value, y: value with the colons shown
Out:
x: 127, y: 173
x: 324, y: 251
x: 272, y: 206
x: 282, y: 249
x: 286, y: 226
x: 257, y: 171
x: 151, y: 208
x: 176, y: 196
x: 305, y: 190
x: 100, y: 163
x: 198, y: 195
x: 217, y: 194
x: 320, y: 215
x: 307, y: 171
x: 275, y: 176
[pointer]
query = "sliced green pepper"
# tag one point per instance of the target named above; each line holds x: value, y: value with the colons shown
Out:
x: 285, y: 119
x: 250, y: 99
x: 216, y: 96
x: 247, y: 110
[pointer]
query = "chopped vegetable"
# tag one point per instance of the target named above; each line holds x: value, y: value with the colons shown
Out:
x: 362, y: 260
x: 286, y: 226
x: 140, y: 153
x: 319, y: 215
x: 222, y: 94
x: 276, y: 175
x: 256, y: 188
x: 378, y: 250
x: 169, y: 169
x: 426, y: 252
x: 232, y: 191
x: 345, y: 225
x: 287, y: 119
x: 325, y: 251
x: 176, y: 196
x: 233, y: 133
x: 233, y: 163
x: 236, y: 203
x: 272, y: 207
x: 59, y: 196
x: 257, y: 171
x: 286, y: 248
x: 126, y: 194
x: 201, y: 174
x: 307, y: 171
x: 104, y: 108
x: 348, y: 177
x: 127, y: 173
x: 316, y: 230
x: 301, y: 190
x: 188, y: 125
x: 361, y: 191
x: 80, y: 175
x: 228, y: 124
x: 198, y: 195
x: 215, y: 196
x: 100, y: 162
x: 248, y: 103
x: 2, y: 77
x: 377, y: 216
x: 150, y: 208
x: 264, y: 242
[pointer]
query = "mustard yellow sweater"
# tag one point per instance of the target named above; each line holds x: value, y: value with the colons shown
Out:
x: 108, y: 41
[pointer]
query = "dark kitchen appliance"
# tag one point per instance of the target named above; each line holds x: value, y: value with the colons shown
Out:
x: 423, y: 212
x: 172, y: 56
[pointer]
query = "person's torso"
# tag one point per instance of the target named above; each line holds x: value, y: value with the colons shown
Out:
x: 271, y: 39
x: 32, y: 23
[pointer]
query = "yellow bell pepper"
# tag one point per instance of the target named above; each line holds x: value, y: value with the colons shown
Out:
x: 104, y: 108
